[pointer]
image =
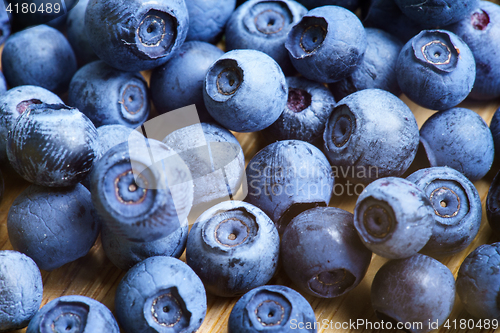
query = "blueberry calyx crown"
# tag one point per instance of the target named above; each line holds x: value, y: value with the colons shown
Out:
x: 268, y: 309
x: 230, y: 229
x: 269, y: 17
x: 167, y: 309
x: 229, y: 80
x: 378, y: 219
x: 343, y: 125
x: 22, y: 106
x: 132, y: 99
x: 65, y: 317
x: 332, y: 283
x: 156, y: 34
x: 445, y: 201
x: 127, y: 191
x: 435, y: 49
x: 307, y: 36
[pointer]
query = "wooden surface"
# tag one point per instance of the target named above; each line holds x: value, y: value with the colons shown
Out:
x: 94, y: 275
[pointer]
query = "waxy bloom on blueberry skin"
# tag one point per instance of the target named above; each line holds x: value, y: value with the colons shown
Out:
x: 245, y: 90
x: 327, y: 44
x: 136, y: 35
x: 158, y: 293
x: 73, y: 313
x: 288, y: 177
x: 272, y: 308
x: 436, y: 69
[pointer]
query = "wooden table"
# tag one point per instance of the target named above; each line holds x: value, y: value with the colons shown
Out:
x: 95, y: 276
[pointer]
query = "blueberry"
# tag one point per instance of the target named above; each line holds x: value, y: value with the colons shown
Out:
x: 478, y: 282
x: 53, y: 226
x: 245, y: 90
x: 436, y: 69
x: 13, y: 103
x: 393, y: 217
x: 77, y: 35
x: 322, y: 253
x: 272, y: 308
x: 233, y: 247
x: 73, y: 314
x: 460, y: 139
x: 352, y: 5
x: 308, y: 107
x: 3, y: 84
x: 494, y: 128
x: 33, y: 12
x: 377, y: 69
x: 288, y: 177
x: 39, y: 56
x: 21, y: 290
x: 479, y: 30
x: 138, y: 194
x: 386, y: 15
x: 353, y: 135
x: 52, y: 145
x: 457, y: 209
x: 418, y: 289
x: 327, y: 44
x: 493, y: 205
x: 109, y: 96
x: 436, y: 13
x: 160, y: 294
x: 216, y: 161
x: 264, y: 25
x: 124, y: 253
x: 136, y: 35
x: 207, y: 19
x: 179, y: 82
x: 5, y: 27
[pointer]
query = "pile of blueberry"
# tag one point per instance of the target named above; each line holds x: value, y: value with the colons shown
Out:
x: 318, y: 82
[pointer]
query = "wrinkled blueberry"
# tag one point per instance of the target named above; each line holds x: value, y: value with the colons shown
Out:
x: 480, y: 30
x: 460, y: 139
x: 160, y: 294
x: 322, y: 253
x: 457, y: 209
x: 216, y: 161
x: 136, y: 35
x: 233, y: 247
x: 418, y: 289
x: 124, y: 253
x: 436, y: 69
x: 245, y: 90
x: 179, y: 82
x: 308, y: 107
x: 376, y: 70
x: 288, y: 177
x: 478, y: 282
x: 13, y: 103
x: 21, y: 292
x: 77, y: 35
x: 39, y: 56
x: 207, y: 19
x: 53, y: 226
x: 264, y: 25
x: 138, y: 194
x: 73, y: 314
x: 272, y: 308
x: 353, y: 136
x: 109, y: 96
x: 327, y: 44
x: 436, y: 13
x: 393, y: 217
x: 52, y: 145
